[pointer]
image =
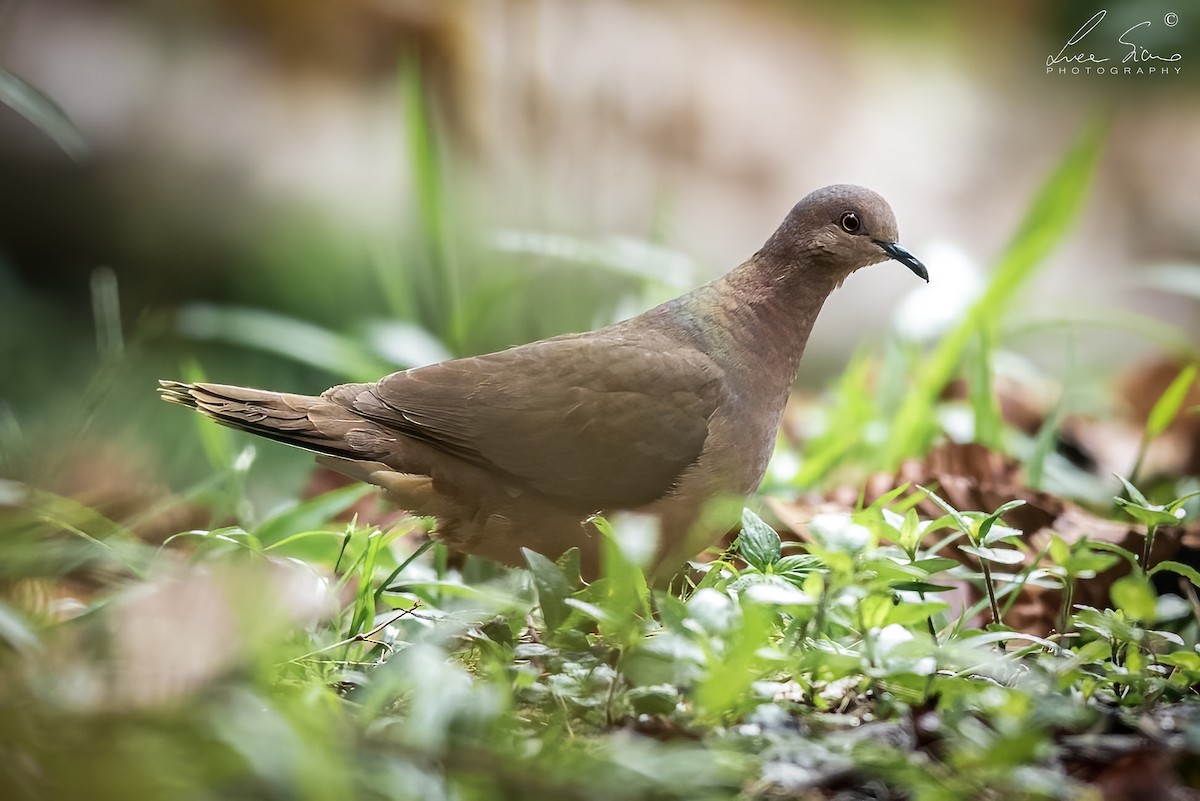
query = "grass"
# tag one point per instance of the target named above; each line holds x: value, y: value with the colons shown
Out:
x: 1046, y: 221
x: 779, y: 669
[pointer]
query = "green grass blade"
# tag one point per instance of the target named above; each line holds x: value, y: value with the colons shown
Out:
x: 984, y: 407
x: 1043, y: 444
x: 1167, y: 408
x: 215, y: 440
x: 45, y: 115
x: 1046, y: 222
x: 300, y: 341
x: 310, y: 514
x: 429, y: 187
x: 851, y: 411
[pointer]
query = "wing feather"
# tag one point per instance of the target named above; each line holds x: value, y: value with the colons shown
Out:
x: 599, y: 422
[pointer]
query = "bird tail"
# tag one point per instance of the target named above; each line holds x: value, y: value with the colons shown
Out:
x: 313, y: 423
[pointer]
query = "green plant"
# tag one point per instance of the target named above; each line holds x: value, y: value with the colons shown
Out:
x: 1046, y: 220
x: 1151, y: 515
x: 982, y: 532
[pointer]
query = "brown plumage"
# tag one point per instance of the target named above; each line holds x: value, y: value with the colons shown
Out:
x: 663, y: 413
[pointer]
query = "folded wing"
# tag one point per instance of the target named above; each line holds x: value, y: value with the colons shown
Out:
x: 596, y: 422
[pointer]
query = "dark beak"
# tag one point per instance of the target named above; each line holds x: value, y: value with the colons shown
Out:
x: 898, y: 252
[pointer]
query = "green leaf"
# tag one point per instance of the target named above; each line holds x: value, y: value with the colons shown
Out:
x: 626, y: 600
x: 1174, y: 506
x: 216, y: 441
x: 1188, y: 572
x: 960, y: 520
x: 1091, y: 652
x: 428, y: 166
x: 714, y: 574
x: 1060, y: 552
x: 919, y: 586
x: 726, y: 690
x: 1134, y: 596
x: 594, y: 611
x: 310, y: 546
x: 1084, y: 559
x: 852, y: 411
x: 911, y: 532
x: 272, y: 332
x: 1150, y: 514
x: 672, y: 610
x: 881, y: 610
x: 986, y: 526
x: 890, y: 568
x: 774, y: 590
x: 1002, y: 556
x: 996, y: 533
x: 46, y: 115
x: 935, y: 564
x: 889, y: 496
x: 1166, y: 409
x: 1044, y: 443
x: 797, y: 567
x: 386, y: 584
x: 1185, y: 660
x: 552, y: 586
x: 758, y: 543
x: 656, y: 699
x: 984, y: 406
x: 310, y: 514
x: 1134, y: 494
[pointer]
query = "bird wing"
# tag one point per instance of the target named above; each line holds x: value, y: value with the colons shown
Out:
x: 603, y: 422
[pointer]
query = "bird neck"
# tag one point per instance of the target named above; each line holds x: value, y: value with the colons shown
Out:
x: 755, y: 320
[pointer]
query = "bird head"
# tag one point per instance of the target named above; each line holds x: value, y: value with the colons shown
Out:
x: 842, y: 228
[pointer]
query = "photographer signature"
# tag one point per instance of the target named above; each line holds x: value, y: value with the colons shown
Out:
x: 1137, y: 53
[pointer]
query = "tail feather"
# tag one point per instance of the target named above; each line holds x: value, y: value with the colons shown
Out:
x: 305, y: 421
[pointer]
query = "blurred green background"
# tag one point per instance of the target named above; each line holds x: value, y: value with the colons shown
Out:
x: 297, y: 194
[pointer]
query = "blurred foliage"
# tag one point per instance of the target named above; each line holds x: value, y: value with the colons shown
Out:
x: 306, y: 658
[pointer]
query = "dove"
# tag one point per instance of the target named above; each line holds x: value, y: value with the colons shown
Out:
x: 672, y: 413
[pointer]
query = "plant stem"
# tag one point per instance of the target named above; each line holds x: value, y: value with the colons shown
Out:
x: 991, y: 590
x: 818, y: 618
x: 929, y: 621
x: 1137, y: 463
x: 1151, y: 530
x: 1064, y: 614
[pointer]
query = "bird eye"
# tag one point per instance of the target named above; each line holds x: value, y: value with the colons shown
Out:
x: 850, y: 223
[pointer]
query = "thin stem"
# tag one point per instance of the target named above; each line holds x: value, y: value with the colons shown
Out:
x: 366, y: 636
x: 991, y: 590
x: 1151, y: 530
x: 387, y: 582
x: 818, y: 618
x: 1141, y: 455
x: 1190, y: 591
x: 1064, y: 614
